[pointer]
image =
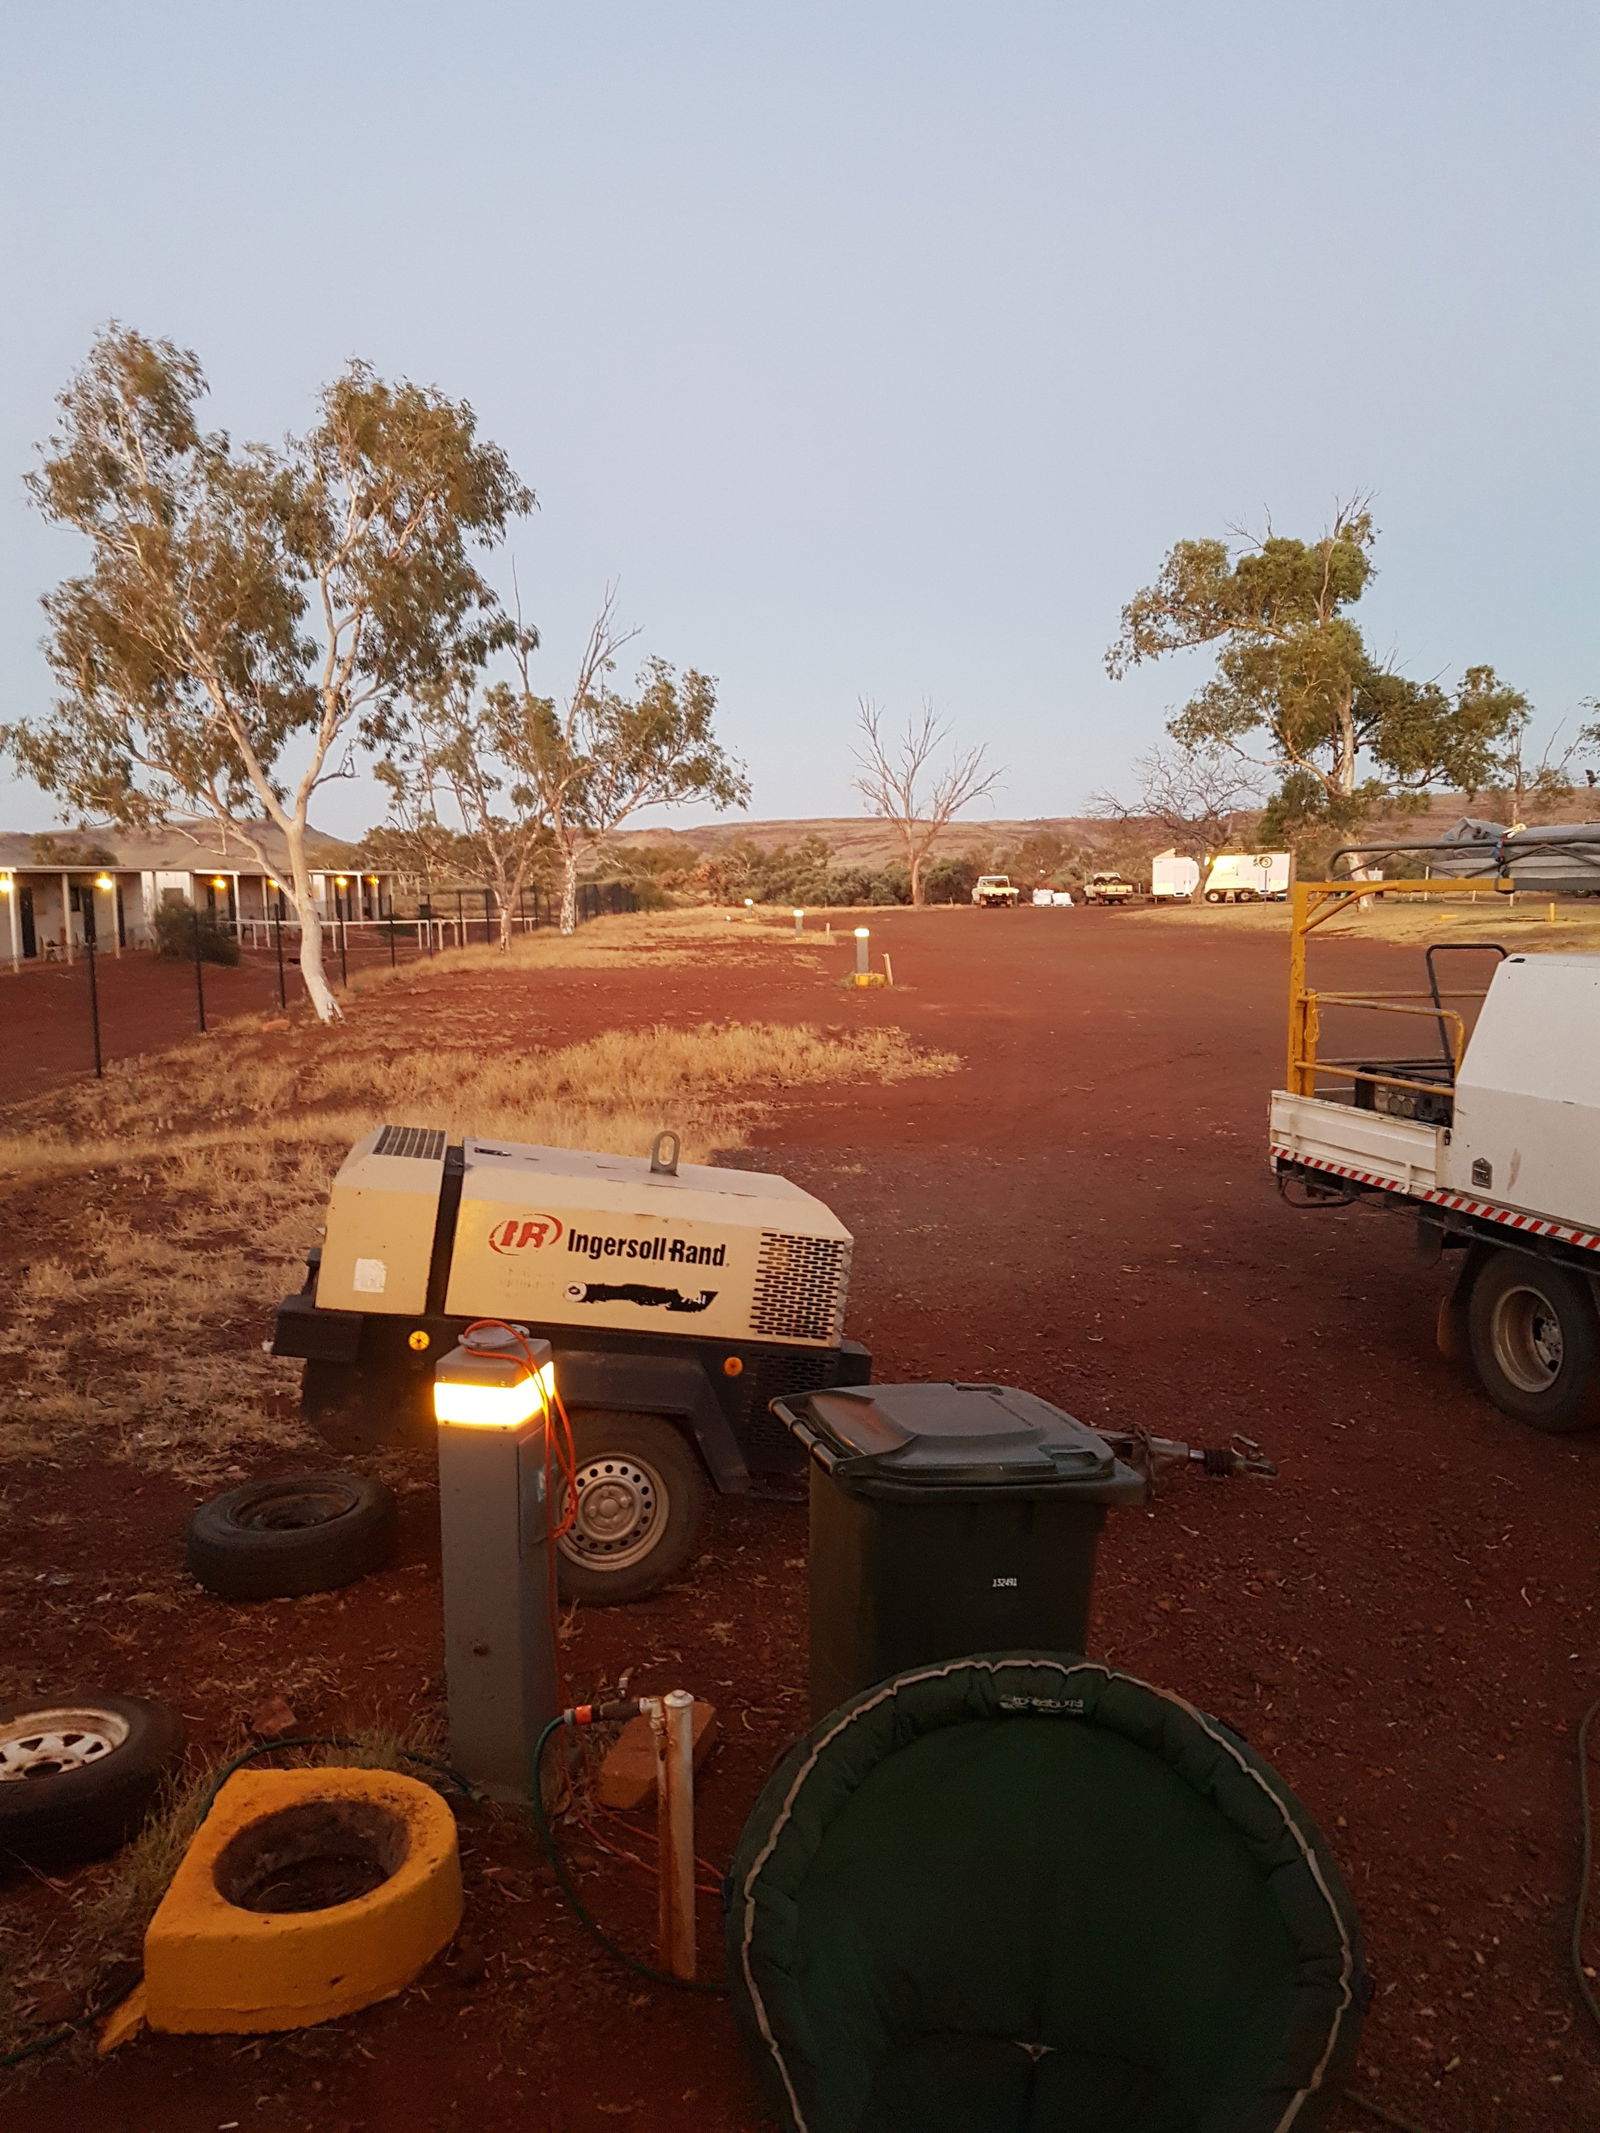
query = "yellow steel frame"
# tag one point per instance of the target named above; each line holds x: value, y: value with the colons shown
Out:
x: 1312, y: 904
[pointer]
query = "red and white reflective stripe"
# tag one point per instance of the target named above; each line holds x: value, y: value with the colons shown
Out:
x: 1535, y: 1225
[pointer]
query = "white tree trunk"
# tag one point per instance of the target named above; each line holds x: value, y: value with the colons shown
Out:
x: 318, y: 990
x: 504, y: 901
x: 569, y: 893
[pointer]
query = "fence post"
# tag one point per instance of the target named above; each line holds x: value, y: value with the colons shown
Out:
x: 199, y: 977
x: 94, y: 1008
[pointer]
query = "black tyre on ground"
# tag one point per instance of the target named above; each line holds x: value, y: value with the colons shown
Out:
x: 640, y: 1500
x: 79, y: 1773
x: 1534, y: 1335
x: 273, y: 1540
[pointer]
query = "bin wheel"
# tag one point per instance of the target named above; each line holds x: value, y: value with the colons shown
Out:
x: 640, y: 1500
x: 274, y: 1540
x: 1535, y: 1339
x: 79, y: 1773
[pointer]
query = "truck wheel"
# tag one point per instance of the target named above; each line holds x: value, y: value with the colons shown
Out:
x: 641, y: 1497
x: 1535, y: 1341
x: 79, y: 1773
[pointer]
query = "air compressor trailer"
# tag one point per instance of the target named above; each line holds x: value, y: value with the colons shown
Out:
x: 679, y: 1299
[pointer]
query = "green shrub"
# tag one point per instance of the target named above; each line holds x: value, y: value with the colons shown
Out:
x: 175, y: 928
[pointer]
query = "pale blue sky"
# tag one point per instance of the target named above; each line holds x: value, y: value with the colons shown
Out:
x: 881, y: 347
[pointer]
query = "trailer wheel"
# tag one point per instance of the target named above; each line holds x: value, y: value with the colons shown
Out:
x: 1535, y: 1341
x: 640, y: 1500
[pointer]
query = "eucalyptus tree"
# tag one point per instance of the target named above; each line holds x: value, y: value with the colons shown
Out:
x: 582, y: 766
x: 251, y: 619
x: 903, y: 781
x: 1296, y: 690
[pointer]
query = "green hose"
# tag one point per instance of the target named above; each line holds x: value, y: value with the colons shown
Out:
x: 580, y: 1910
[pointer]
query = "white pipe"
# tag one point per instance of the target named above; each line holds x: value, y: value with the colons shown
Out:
x: 672, y: 1721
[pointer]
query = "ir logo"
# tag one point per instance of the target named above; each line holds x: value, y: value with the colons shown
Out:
x: 521, y: 1233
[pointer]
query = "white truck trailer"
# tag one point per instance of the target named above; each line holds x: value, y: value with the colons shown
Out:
x: 1248, y: 878
x: 1173, y: 879
x: 1488, y: 1133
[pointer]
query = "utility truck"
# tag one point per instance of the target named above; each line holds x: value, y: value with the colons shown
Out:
x: 996, y: 891
x: 1484, y: 1126
x: 679, y: 1301
x: 1108, y: 889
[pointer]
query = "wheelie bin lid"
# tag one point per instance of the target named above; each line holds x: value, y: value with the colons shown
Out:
x: 967, y: 1436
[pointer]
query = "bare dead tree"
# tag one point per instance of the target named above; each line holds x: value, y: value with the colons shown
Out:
x: 901, y: 782
x: 1192, y: 796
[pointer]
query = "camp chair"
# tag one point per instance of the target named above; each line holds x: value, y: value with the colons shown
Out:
x: 1024, y: 1893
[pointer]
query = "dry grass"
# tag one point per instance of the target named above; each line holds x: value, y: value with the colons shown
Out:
x: 170, y: 1205
x: 639, y: 938
x: 114, y: 1902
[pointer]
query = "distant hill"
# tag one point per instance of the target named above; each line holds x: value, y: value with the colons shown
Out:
x: 860, y: 841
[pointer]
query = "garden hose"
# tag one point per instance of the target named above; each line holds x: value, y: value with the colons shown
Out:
x: 580, y: 1910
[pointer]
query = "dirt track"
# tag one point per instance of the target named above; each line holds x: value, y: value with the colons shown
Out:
x: 1407, y: 1621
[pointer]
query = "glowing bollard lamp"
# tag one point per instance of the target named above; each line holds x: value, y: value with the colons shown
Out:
x: 492, y: 1400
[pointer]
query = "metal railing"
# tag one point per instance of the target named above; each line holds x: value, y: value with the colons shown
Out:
x: 1311, y: 905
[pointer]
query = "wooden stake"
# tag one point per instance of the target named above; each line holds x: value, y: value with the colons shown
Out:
x: 673, y: 1723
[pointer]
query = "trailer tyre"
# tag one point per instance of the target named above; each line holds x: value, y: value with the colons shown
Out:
x: 274, y: 1540
x: 79, y: 1773
x: 640, y: 1501
x: 1534, y: 1334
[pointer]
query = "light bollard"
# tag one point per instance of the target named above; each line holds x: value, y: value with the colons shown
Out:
x: 800, y: 922
x: 863, y: 945
x: 492, y: 1402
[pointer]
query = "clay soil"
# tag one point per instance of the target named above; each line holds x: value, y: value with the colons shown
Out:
x: 1406, y: 1621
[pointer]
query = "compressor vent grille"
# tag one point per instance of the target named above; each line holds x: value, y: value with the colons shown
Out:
x: 799, y: 1292
x: 424, y: 1142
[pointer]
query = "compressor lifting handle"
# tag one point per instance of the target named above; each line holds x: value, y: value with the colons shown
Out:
x: 664, y: 1155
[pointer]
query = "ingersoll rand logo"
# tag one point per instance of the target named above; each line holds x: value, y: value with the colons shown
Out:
x: 523, y: 1233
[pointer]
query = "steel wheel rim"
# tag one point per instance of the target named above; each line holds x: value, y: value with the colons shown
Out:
x: 620, y: 1510
x: 295, y: 1507
x: 1526, y: 1335
x: 56, y: 1740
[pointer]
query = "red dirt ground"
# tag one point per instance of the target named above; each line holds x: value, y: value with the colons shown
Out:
x: 1407, y: 1621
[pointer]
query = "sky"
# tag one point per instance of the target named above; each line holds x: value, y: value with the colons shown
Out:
x: 879, y: 348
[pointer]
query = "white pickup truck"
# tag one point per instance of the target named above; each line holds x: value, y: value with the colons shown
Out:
x: 1492, y: 1141
x: 996, y: 891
